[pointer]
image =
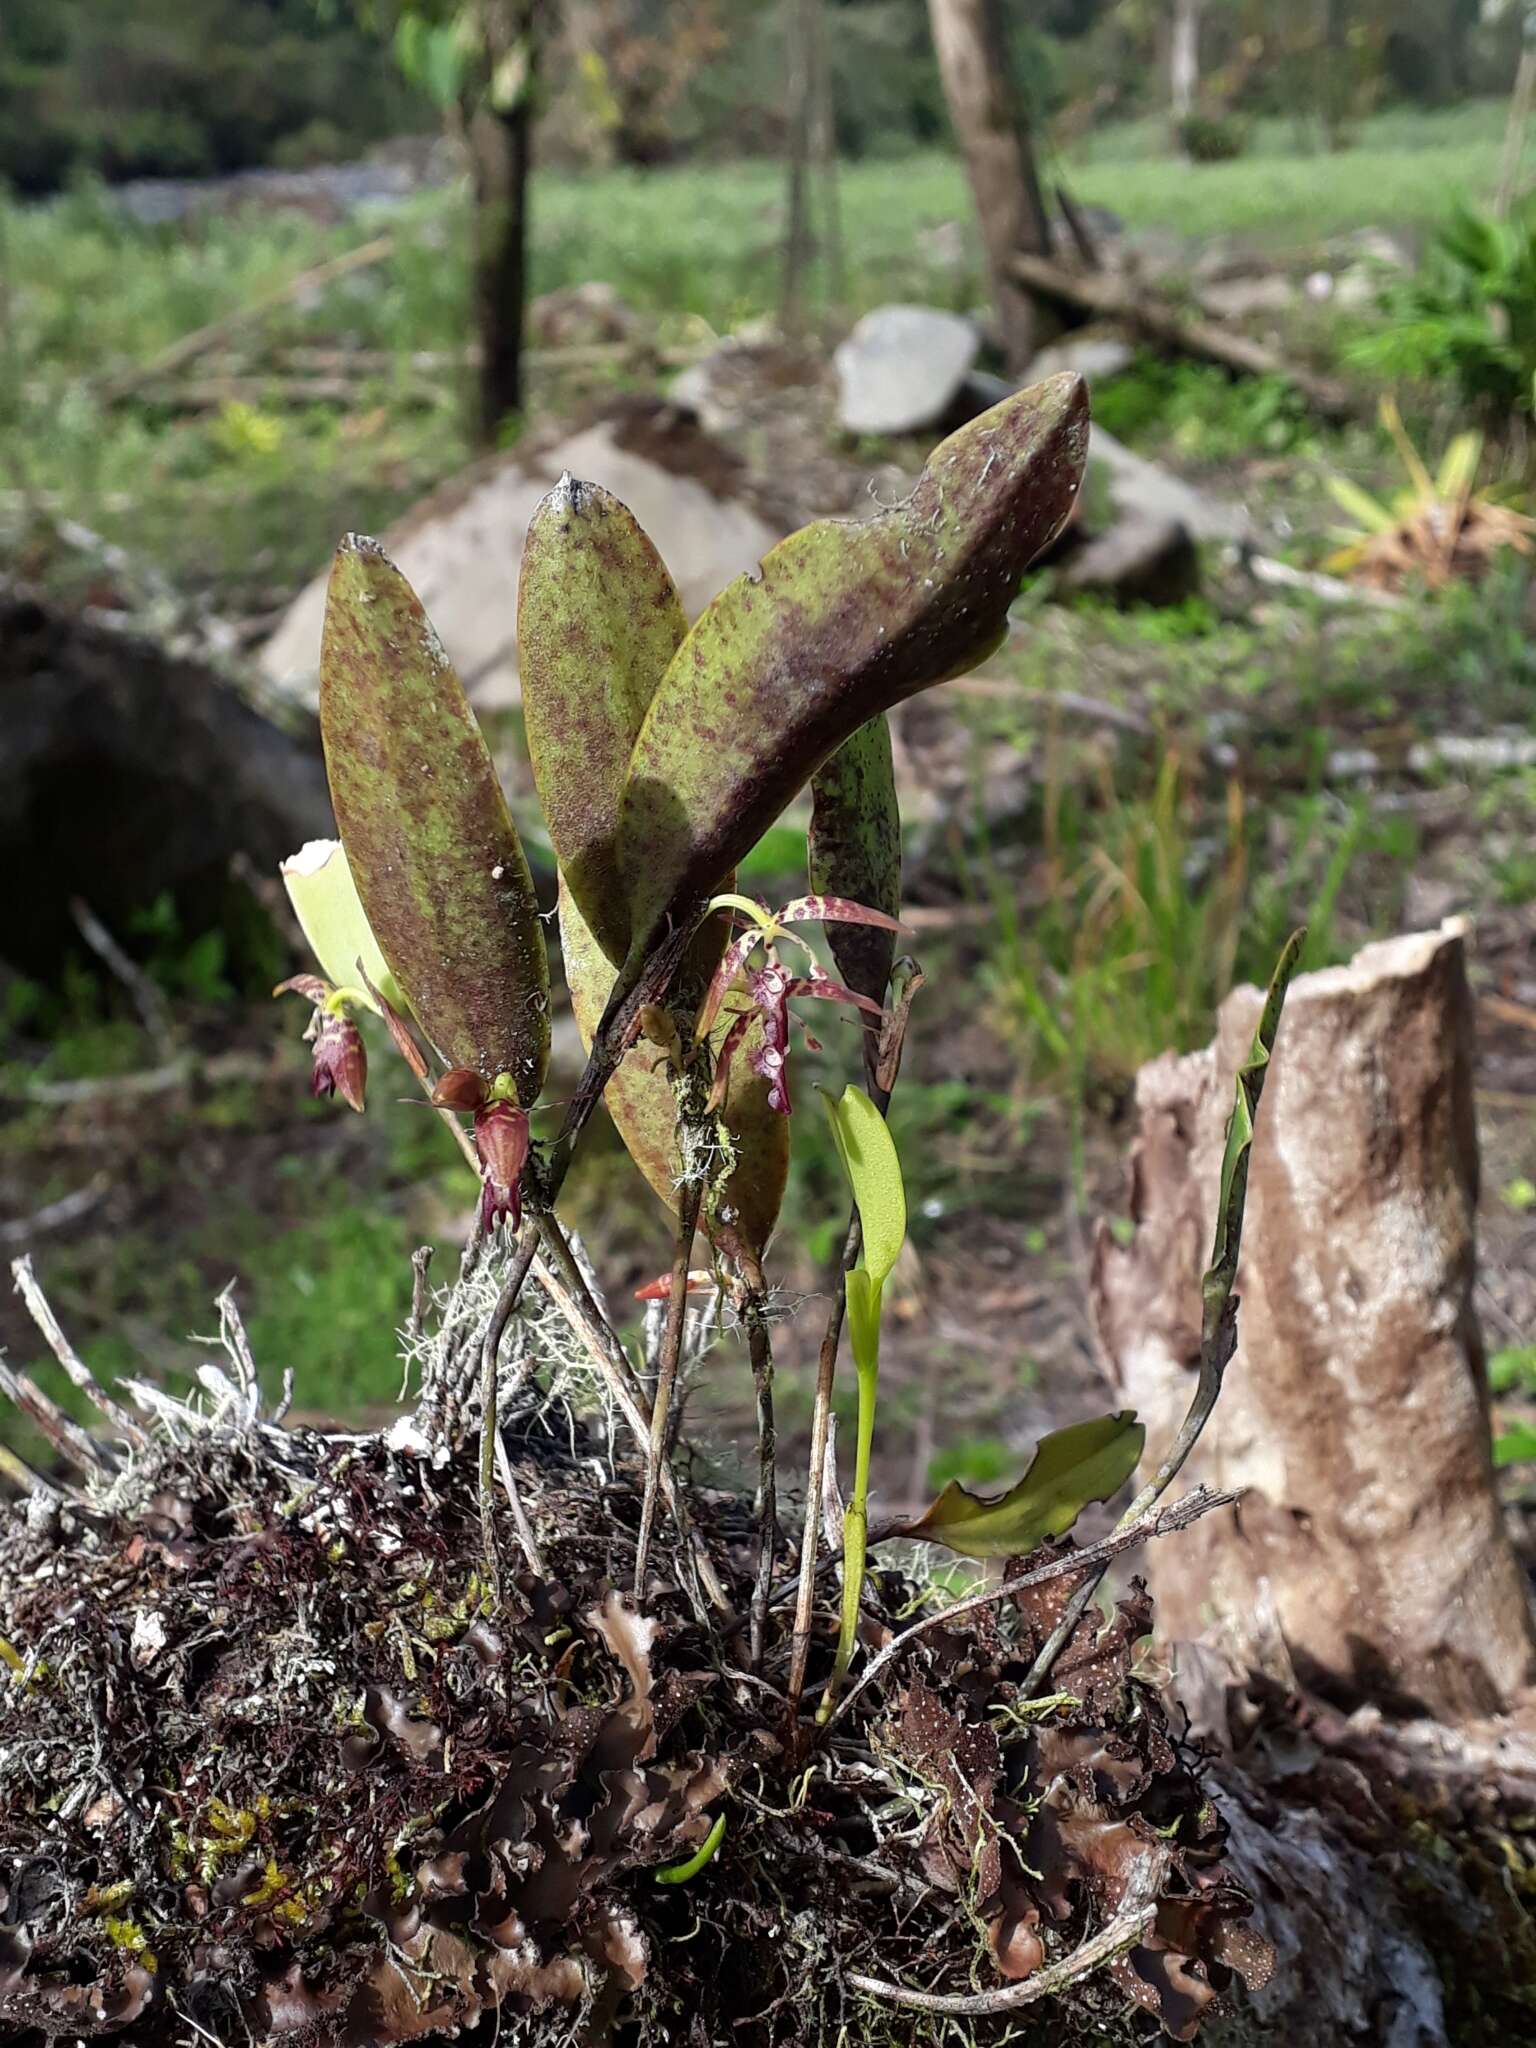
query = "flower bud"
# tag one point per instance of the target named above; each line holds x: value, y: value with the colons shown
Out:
x: 341, y: 1059
x: 460, y: 1088
x: 501, y: 1139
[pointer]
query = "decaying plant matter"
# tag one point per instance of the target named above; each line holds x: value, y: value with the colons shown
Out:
x: 500, y: 1722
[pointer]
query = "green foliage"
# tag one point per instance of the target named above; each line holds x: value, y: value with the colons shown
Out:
x: 182, y: 88
x: 1088, y: 1461
x: 429, y: 840
x: 1513, y: 1370
x: 1211, y: 138
x: 1148, y: 917
x: 1466, y: 319
x: 598, y: 622
x: 869, y: 1158
x: 1201, y: 415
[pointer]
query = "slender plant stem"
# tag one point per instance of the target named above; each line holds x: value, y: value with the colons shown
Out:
x: 568, y: 1289
x: 1161, y: 1522
x: 660, y: 1446
x: 754, y: 1313
x: 1215, y: 1355
x: 1122, y: 1933
x: 495, y: 1329
x: 821, y: 1420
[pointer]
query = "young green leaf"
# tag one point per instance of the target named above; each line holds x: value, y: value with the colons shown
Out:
x: 1221, y: 1275
x: 868, y: 1152
x: 432, y: 848
x: 1087, y: 1461
x: 853, y: 851
x: 643, y: 1104
x: 325, y: 901
x: 841, y: 621
x: 598, y: 620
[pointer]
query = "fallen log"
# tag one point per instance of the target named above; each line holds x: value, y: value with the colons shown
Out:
x: 1180, y: 333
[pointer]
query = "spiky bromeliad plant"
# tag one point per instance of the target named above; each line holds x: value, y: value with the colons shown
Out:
x: 397, y: 1740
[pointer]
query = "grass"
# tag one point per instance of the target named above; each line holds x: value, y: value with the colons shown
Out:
x: 242, y: 504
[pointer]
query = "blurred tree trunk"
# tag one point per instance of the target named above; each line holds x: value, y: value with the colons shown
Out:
x: 811, y: 137
x: 1183, y: 61
x: 1515, y: 126
x: 499, y: 130
x: 1336, y: 81
x: 993, y: 132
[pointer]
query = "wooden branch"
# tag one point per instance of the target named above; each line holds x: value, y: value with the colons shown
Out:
x: 201, y: 339
x: 1205, y: 340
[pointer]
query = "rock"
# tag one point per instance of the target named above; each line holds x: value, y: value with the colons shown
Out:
x: 1095, y: 357
x: 128, y: 772
x: 581, y: 315
x: 1145, y: 489
x: 1144, y: 558
x: 460, y: 547
x: 1368, y: 1559
x: 901, y: 368
x: 1239, y: 298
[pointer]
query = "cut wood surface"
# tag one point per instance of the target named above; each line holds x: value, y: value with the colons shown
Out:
x: 1368, y: 1558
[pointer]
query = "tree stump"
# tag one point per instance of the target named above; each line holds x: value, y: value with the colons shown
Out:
x: 1367, y: 1558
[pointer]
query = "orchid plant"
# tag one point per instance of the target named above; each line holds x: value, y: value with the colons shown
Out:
x: 661, y: 753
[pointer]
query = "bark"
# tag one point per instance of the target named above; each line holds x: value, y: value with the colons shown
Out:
x: 993, y: 131
x: 1367, y: 1558
x: 128, y: 771
x: 501, y: 154
x: 1184, y: 60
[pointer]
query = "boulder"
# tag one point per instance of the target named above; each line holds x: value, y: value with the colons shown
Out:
x: 129, y: 771
x: 1144, y: 558
x: 901, y: 369
x: 1142, y: 489
x: 1095, y: 357
x: 460, y: 547
x: 582, y: 315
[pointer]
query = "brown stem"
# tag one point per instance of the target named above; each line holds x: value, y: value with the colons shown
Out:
x: 495, y: 1329
x: 660, y: 1446
x: 567, y: 1288
x: 821, y: 1419
x: 1162, y: 1522
x: 754, y: 1313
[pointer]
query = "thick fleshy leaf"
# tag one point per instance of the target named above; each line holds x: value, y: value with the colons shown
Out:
x: 868, y: 1152
x: 641, y: 1101
x: 598, y: 621
x: 841, y: 621
x: 431, y: 845
x: 325, y: 901
x: 1071, y: 1467
x: 853, y: 851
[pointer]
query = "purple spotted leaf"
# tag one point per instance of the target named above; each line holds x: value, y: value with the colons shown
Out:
x: 853, y: 849
x: 429, y: 840
x: 598, y: 620
x: 841, y: 621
